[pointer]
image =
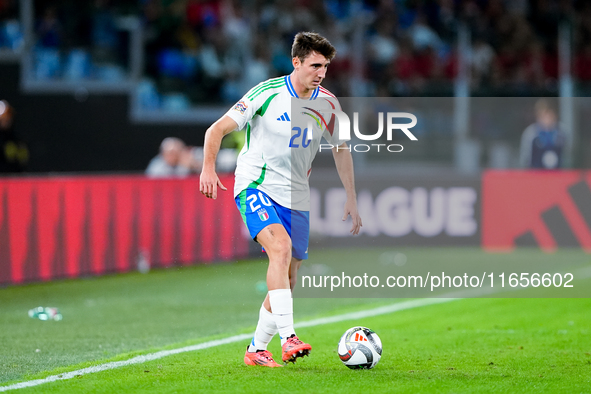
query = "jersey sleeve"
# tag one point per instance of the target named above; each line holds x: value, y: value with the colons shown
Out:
x: 242, y: 112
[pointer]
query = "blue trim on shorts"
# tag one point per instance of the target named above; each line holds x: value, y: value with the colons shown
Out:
x: 266, y: 211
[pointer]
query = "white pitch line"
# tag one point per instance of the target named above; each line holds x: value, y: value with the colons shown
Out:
x: 131, y: 361
x: 400, y: 306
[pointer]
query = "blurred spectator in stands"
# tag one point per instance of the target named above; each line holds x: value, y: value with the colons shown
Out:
x: 535, y: 59
x: 187, y: 37
x: 174, y: 160
x: 447, y: 19
x: 423, y: 36
x: 15, y: 154
x: 49, y: 29
x: 383, y: 49
x: 514, y: 41
x: 482, y: 57
x: 203, y: 14
x: 507, y: 61
x: 522, y: 34
x: 236, y: 26
x: 258, y: 68
x: 427, y: 64
x: 104, y: 32
x: 543, y: 143
x: 403, y: 71
x: 164, y: 22
x: 218, y: 63
x: 340, y: 81
x: 10, y: 29
x: 582, y: 66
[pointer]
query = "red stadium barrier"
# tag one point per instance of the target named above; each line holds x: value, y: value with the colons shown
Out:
x: 63, y: 227
x: 79, y: 226
x: 546, y: 209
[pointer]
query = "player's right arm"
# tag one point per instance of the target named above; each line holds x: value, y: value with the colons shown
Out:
x: 209, y: 180
x: 235, y: 119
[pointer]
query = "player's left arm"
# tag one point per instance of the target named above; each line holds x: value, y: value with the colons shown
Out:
x: 344, y: 163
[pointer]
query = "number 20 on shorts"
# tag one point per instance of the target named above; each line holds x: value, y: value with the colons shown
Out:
x: 253, y: 201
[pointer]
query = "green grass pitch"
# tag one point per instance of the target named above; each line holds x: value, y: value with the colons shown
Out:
x: 464, y: 346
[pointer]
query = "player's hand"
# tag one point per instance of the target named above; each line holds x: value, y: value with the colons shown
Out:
x: 209, y: 183
x: 351, y: 210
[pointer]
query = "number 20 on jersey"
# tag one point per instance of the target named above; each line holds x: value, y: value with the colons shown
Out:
x: 295, y: 140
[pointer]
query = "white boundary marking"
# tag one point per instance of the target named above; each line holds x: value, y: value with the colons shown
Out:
x: 399, y: 306
x: 583, y: 273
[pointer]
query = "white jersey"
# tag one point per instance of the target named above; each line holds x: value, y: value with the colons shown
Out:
x: 278, y: 153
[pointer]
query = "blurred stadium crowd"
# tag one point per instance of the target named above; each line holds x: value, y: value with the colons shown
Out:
x: 214, y: 50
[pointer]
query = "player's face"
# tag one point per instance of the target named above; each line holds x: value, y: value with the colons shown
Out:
x: 312, y: 71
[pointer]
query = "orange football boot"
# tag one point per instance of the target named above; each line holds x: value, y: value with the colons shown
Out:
x: 263, y: 358
x: 294, y: 348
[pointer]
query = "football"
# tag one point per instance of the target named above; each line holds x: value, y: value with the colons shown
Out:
x: 360, y: 348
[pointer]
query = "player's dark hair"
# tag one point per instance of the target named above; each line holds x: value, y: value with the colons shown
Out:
x: 306, y: 42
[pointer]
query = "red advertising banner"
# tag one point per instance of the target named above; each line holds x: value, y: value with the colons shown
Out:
x: 546, y: 209
x: 80, y: 226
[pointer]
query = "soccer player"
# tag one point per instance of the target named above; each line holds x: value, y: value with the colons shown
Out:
x: 272, y: 170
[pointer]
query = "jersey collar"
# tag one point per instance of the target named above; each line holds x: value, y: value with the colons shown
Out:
x: 293, y: 93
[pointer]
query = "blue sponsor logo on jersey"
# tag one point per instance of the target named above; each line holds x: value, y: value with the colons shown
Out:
x: 284, y: 118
